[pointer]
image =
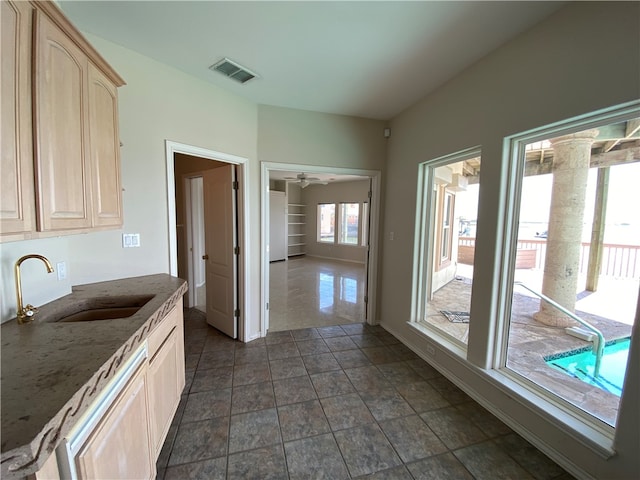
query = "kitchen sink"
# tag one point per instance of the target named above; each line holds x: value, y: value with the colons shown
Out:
x: 104, y: 308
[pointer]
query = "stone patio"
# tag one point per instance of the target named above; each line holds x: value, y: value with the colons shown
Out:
x: 530, y: 342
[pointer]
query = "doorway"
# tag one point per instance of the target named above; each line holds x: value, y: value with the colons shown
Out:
x: 366, y: 239
x: 194, y: 251
x: 212, y: 185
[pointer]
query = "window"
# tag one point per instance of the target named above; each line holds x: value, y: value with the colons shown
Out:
x: 326, y: 222
x: 349, y: 223
x: 446, y: 202
x: 350, y: 229
x: 574, y: 263
x: 447, y: 212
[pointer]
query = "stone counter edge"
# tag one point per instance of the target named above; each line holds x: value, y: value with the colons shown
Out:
x: 28, y: 459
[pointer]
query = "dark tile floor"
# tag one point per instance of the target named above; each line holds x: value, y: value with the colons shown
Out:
x: 331, y: 403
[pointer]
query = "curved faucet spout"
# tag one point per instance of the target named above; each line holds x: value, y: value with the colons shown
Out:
x: 25, y: 314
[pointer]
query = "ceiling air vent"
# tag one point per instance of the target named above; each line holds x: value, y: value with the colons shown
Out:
x: 232, y: 70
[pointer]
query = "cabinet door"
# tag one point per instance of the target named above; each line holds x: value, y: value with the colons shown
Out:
x: 105, y: 150
x: 120, y: 447
x: 164, y: 390
x: 60, y: 122
x: 16, y: 182
x: 165, y: 374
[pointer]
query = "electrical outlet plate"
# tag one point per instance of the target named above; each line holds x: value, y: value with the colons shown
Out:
x: 61, y: 270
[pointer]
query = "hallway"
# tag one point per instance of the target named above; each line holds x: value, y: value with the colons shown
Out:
x: 335, y: 402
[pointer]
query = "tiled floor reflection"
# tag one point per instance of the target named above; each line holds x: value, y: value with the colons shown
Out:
x: 310, y: 292
x: 333, y: 403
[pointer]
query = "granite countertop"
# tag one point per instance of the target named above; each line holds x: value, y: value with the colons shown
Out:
x: 51, y: 372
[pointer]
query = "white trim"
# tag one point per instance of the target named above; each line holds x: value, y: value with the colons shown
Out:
x: 244, y: 232
x: 187, y: 180
x: 372, y: 280
x: 188, y: 227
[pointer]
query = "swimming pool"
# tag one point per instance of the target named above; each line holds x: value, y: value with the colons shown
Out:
x: 580, y: 364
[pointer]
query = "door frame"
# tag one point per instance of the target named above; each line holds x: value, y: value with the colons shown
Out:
x: 374, y: 215
x: 242, y: 174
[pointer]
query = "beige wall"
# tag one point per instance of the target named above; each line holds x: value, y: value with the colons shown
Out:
x: 333, y: 193
x: 550, y: 73
x: 320, y: 139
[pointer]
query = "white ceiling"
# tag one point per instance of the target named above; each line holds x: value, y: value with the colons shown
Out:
x: 369, y: 59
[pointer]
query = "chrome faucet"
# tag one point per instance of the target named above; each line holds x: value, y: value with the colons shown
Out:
x: 25, y: 314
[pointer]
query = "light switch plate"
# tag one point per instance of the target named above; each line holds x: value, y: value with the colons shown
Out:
x: 130, y: 240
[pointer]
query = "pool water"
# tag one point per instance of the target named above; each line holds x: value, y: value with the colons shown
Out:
x: 581, y: 365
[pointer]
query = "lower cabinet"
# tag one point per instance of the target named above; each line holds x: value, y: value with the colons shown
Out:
x: 119, y: 446
x: 121, y: 435
x: 165, y: 377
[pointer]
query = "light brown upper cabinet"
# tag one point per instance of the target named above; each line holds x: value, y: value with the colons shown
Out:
x: 61, y: 140
x: 16, y: 167
x: 104, y: 150
x: 75, y: 162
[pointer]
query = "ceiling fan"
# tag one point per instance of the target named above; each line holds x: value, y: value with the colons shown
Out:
x: 303, y: 181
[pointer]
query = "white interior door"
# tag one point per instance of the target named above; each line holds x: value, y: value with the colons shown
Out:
x: 220, y: 242
x: 277, y: 226
x: 196, y: 245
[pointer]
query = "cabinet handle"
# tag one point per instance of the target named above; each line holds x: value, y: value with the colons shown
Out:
x: 205, y: 257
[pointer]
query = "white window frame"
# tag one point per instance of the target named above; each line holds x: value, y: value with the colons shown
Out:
x: 364, y: 231
x: 514, y: 148
x: 362, y: 238
x: 445, y: 212
x: 339, y: 221
x: 425, y: 247
x: 319, y: 224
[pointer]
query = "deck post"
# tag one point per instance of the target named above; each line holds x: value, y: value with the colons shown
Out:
x: 597, y: 230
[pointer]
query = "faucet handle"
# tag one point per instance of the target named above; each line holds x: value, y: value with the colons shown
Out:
x: 29, y: 310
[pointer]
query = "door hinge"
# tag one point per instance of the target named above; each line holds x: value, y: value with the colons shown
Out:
x: 366, y: 299
x: 369, y: 193
x: 267, y: 305
x: 236, y: 250
x: 235, y: 185
x: 236, y: 313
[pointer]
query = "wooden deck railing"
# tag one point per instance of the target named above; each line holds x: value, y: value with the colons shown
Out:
x: 618, y: 261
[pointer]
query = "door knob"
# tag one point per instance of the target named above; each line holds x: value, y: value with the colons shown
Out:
x: 205, y: 257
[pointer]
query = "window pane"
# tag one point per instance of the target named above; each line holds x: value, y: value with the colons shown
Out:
x: 326, y: 222
x: 451, y: 204
x: 349, y: 221
x: 577, y: 244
